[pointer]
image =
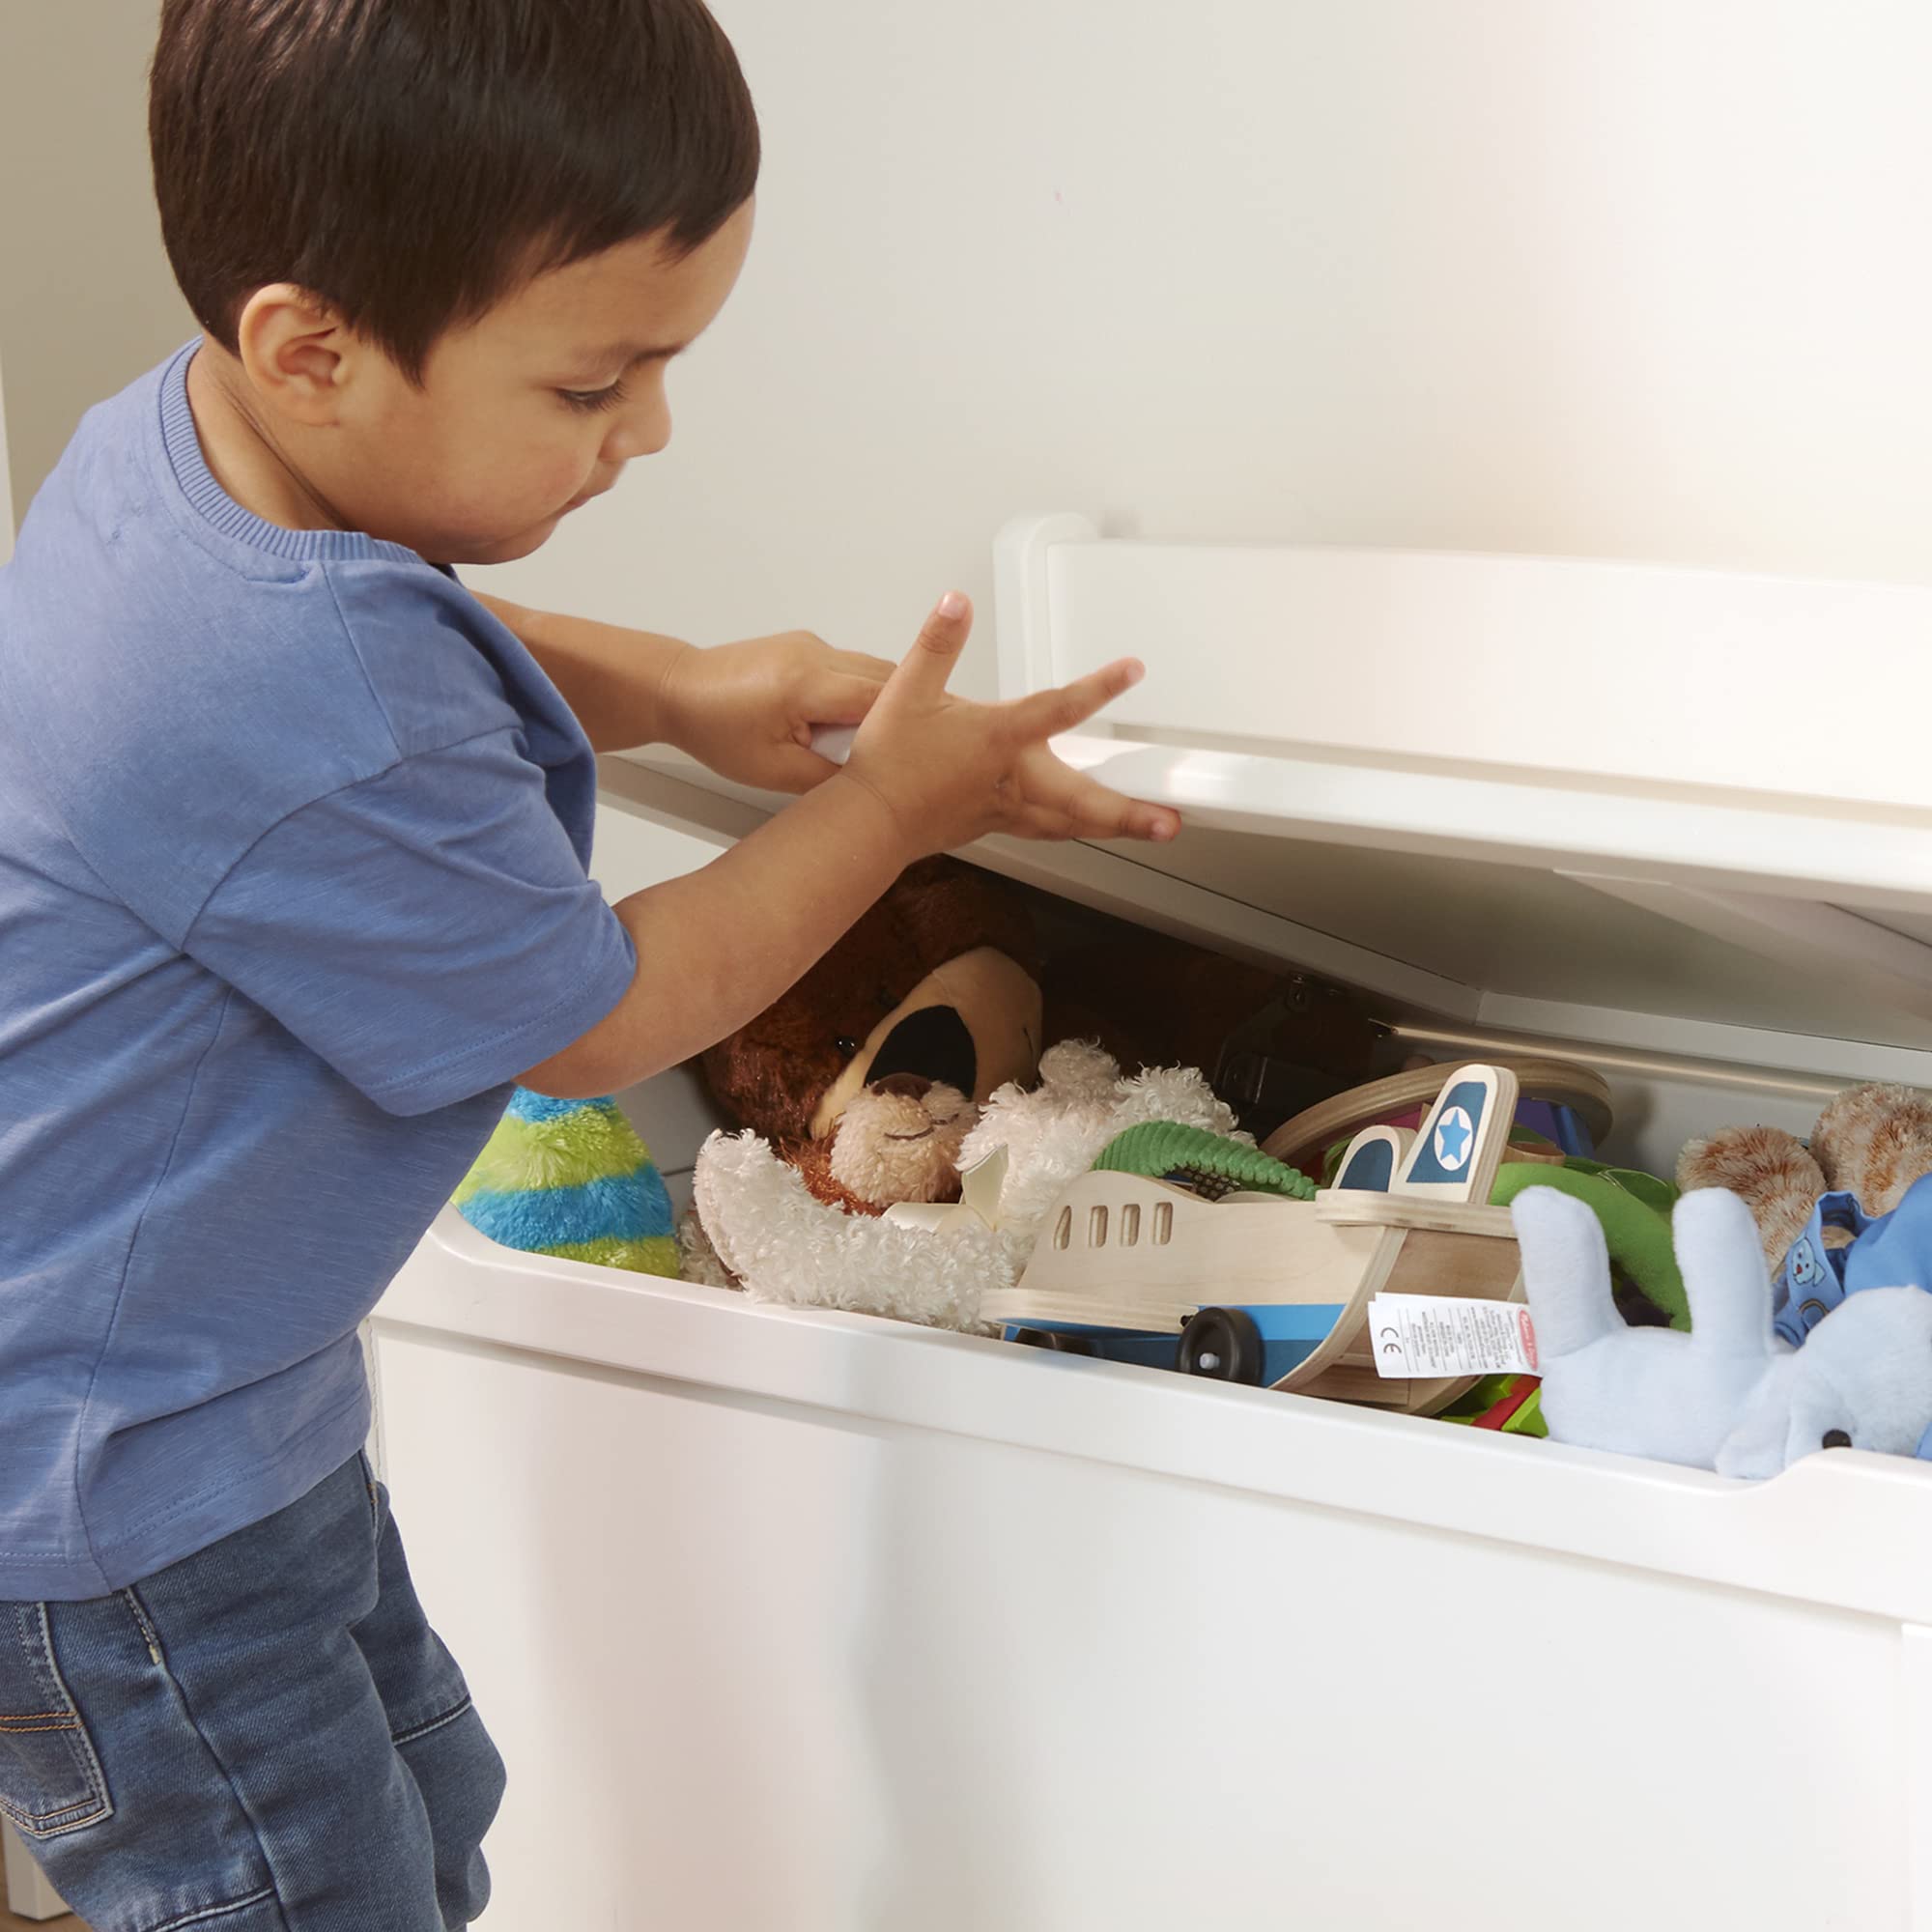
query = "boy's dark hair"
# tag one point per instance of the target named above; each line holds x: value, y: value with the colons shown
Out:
x: 410, y: 161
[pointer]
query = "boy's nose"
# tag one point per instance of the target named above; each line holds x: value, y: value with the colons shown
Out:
x: 653, y: 433
x: 640, y: 439
x: 642, y: 430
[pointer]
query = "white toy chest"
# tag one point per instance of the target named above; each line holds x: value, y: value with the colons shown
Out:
x: 809, y: 1623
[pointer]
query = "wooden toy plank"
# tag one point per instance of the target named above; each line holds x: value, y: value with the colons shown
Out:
x: 1302, y: 1141
x: 1451, y: 1265
x: 1119, y: 1248
x: 1348, y: 1209
x: 1346, y: 1332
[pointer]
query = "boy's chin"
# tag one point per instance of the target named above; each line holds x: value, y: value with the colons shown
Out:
x: 507, y: 550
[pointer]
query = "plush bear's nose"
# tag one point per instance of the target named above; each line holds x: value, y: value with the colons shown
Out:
x: 913, y: 1086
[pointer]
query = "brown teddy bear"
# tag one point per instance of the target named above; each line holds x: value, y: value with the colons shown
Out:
x: 1871, y: 1141
x: 869, y: 1073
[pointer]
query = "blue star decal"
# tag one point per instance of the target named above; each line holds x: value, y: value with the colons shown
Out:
x: 1452, y: 1137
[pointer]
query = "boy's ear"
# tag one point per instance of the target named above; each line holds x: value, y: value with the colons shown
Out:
x: 298, y: 354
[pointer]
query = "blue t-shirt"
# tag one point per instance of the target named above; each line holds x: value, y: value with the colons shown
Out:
x: 293, y: 849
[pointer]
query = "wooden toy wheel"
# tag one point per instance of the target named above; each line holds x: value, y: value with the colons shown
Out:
x: 1304, y: 1141
x: 1224, y: 1345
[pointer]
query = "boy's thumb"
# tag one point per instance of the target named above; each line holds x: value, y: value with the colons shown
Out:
x: 929, y: 663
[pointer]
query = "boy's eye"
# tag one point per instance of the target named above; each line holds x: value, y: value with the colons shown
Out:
x: 590, y: 401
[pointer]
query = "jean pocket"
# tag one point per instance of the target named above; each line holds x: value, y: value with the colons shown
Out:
x: 50, y: 1781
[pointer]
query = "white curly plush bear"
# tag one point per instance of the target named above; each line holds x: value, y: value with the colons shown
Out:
x: 783, y: 1245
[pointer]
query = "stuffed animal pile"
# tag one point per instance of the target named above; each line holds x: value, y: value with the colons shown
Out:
x: 763, y: 1229
x: 867, y: 1075
x: 1730, y: 1395
x: 906, y: 1072
x: 1871, y: 1141
x: 1808, y: 1275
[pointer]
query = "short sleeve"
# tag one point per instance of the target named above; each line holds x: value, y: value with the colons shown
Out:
x: 429, y: 932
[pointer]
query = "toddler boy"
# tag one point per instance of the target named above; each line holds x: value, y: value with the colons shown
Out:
x: 294, y: 832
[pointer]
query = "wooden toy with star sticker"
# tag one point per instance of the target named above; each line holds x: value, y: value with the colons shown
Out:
x: 1245, y: 1284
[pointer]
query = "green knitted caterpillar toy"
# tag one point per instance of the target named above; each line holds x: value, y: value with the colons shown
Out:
x: 1210, y: 1162
x: 571, y: 1177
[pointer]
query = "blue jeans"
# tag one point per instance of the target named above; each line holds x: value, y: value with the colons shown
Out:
x: 266, y: 1737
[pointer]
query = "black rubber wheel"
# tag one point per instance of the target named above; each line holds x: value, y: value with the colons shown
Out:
x: 1055, y: 1339
x: 1224, y: 1345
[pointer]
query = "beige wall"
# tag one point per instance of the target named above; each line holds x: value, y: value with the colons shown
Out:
x: 86, y: 301
x: 1639, y: 278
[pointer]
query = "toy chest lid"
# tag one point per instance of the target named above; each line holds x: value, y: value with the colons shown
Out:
x: 1535, y: 796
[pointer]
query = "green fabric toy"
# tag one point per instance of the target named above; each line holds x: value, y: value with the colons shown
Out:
x: 1635, y: 1212
x: 1512, y: 1405
x: 1208, y: 1161
x: 570, y: 1178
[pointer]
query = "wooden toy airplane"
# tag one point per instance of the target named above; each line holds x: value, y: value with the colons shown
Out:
x: 1262, y: 1289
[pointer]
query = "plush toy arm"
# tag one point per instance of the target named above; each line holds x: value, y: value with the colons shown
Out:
x: 1724, y: 1278
x: 1761, y: 1445
x: 1863, y: 1379
x: 785, y: 1246
x: 1566, y: 1271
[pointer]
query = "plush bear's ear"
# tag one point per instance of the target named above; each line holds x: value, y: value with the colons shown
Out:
x: 771, y: 1074
x: 944, y: 908
x: 1769, y: 1169
x: 1875, y: 1142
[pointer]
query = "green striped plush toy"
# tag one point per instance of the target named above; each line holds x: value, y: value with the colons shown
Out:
x: 571, y: 1177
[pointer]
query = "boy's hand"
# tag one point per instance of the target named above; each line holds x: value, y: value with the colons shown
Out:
x: 951, y: 771
x: 747, y: 710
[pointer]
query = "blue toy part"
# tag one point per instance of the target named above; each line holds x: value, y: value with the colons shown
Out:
x: 1370, y: 1168
x: 1886, y: 1251
x: 1135, y: 1347
x: 1452, y: 1144
x: 1894, y: 1250
x: 1810, y: 1280
x: 1291, y: 1331
x: 1558, y: 1125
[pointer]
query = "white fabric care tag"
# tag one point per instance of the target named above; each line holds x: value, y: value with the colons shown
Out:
x: 1429, y: 1335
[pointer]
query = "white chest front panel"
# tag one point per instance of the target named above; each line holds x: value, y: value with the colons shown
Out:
x: 755, y: 1666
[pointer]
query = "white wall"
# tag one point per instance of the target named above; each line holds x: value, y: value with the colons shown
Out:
x: 86, y: 299
x: 1632, y: 277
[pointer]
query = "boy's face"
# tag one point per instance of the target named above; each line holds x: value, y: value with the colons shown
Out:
x: 530, y: 410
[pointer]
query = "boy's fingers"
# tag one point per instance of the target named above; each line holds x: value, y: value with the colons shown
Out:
x: 1049, y: 713
x: 929, y: 663
x: 1093, y: 811
x: 841, y: 697
x: 1035, y: 821
x: 861, y: 664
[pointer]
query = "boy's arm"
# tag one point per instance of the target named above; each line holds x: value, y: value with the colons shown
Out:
x: 929, y: 772
x: 610, y: 677
x: 746, y: 710
x: 718, y: 946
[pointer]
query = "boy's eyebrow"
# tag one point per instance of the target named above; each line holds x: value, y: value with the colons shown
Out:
x: 627, y: 354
